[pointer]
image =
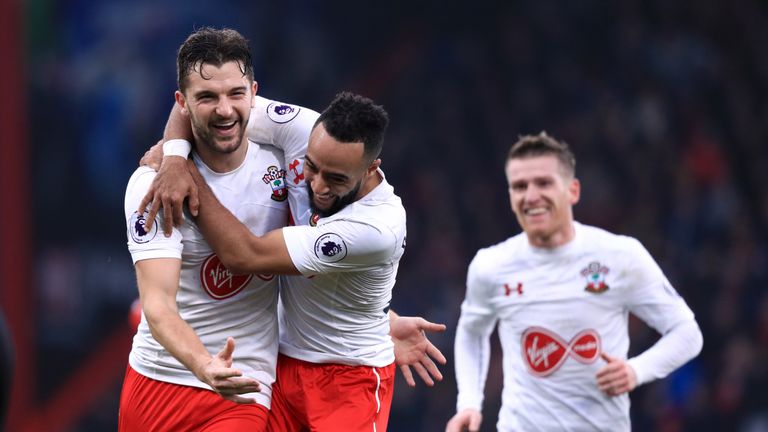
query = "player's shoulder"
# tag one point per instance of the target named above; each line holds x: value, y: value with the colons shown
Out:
x: 141, y: 179
x: 387, y: 219
x: 382, y: 204
x: 489, y: 257
x: 137, y: 187
x: 607, y: 240
x: 275, y: 113
x: 261, y: 152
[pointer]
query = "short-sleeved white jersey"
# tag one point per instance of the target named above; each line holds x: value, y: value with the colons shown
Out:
x: 213, y: 301
x: 337, y: 311
x: 556, y: 310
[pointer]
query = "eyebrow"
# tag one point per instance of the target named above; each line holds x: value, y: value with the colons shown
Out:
x: 202, y: 93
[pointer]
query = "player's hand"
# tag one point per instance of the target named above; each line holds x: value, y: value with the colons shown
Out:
x: 153, y: 157
x: 617, y: 377
x: 225, y: 380
x: 412, y: 348
x: 171, y: 186
x: 465, y: 420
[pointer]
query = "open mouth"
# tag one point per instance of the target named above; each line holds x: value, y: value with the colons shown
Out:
x: 225, y: 128
x: 536, y: 211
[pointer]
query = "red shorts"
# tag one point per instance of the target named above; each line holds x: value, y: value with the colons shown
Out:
x: 151, y: 405
x: 330, y: 397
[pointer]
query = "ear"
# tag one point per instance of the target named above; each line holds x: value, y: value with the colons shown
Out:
x: 182, y: 101
x: 254, y: 89
x: 371, y: 170
x: 574, y: 190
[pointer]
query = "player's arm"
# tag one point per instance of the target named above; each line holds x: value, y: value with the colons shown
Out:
x: 653, y: 299
x: 158, y: 281
x: 677, y: 345
x: 173, y: 183
x: 413, y: 349
x: 680, y: 342
x: 238, y: 249
x: 472, y: 351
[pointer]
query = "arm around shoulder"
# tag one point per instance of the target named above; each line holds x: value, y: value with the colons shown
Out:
x: 237, y: 247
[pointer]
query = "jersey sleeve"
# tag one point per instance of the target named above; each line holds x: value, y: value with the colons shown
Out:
x: 339, y: 246
x: 472, y: 348
x: 286, y: 127
x: 143, y: 244
x: 653, y: 299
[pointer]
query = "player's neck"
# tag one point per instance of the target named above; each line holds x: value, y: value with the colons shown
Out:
x: 221, y: 162
x: 559, y: 238
x: 369, y: 184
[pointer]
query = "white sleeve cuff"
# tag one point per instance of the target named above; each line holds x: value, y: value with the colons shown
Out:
x: 177, y: 147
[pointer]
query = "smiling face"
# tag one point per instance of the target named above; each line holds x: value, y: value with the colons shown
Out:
x: 218, y: 100
x: 542, y: 194
x: 336, y: 172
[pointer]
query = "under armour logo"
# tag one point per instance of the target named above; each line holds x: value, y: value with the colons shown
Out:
x: 508, y: 290
x: 294, y: 166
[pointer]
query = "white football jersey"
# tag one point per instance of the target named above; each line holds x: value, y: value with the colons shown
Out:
x: 213, y: 301
x: 337, y: 311
x: 556, y: 310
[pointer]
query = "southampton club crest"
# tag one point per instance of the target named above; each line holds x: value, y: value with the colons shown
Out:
x: 275, y: 178
x: 595, y: 274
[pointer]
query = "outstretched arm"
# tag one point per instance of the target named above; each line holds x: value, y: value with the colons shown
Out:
x: 238, y: 249
x: 158, y: 281
x: 412, y: 348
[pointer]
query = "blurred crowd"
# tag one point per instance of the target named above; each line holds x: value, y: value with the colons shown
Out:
x: 665, y: 104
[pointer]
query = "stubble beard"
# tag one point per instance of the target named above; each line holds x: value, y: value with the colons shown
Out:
x: 204, y: 136
x: 337, y: 205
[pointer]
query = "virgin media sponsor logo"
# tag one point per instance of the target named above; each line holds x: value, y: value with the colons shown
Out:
x: 544, y: 351
x: 219, y: 282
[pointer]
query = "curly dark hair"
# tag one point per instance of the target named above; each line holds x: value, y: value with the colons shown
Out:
x: 215, y: 47
x: 541, y: 145
x: 353, y: 118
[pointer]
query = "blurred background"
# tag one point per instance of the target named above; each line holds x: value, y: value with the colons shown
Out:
x: 665, y: 103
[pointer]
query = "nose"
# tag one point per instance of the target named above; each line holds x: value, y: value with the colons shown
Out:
x: 224, y: 108
x: 318, y: 185
x: 532, y: 193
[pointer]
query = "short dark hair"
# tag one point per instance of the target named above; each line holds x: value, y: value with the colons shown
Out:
x: 541, y: 145
x: 354, y: 118
x: 212, y: 46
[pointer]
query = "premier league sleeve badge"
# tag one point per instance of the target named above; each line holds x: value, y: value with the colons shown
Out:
x: 137, y: 228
